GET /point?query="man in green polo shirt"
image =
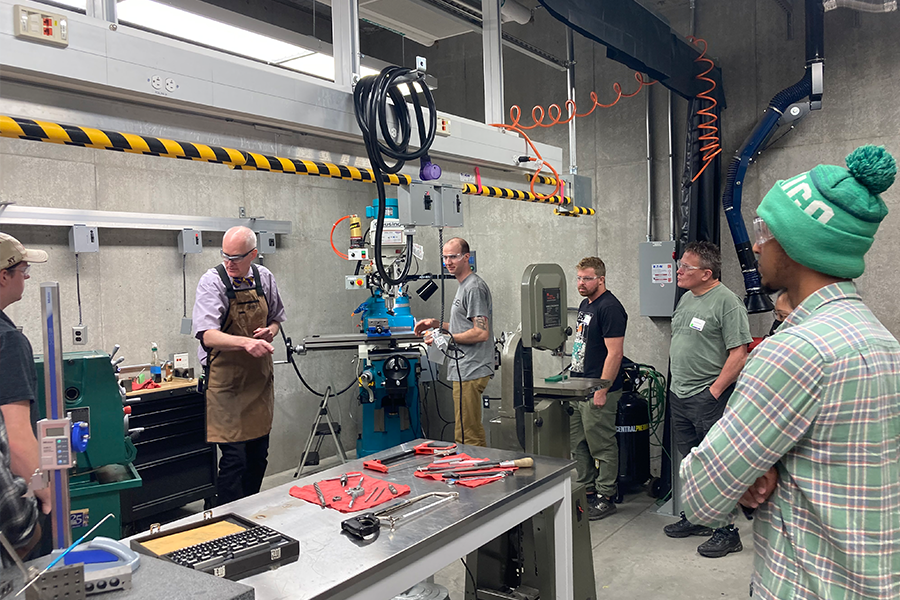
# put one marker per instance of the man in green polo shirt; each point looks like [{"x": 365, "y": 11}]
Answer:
[{"x": 710, "y": 333}]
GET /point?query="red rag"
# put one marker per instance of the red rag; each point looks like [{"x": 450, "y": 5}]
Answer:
[{"x": 332, "y": 488}]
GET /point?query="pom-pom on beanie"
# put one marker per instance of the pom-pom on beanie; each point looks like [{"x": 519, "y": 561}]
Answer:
[{"x": 826, "y": 218}]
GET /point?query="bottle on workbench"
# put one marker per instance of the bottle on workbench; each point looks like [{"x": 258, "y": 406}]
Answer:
[{"x": 155, "y": 366}]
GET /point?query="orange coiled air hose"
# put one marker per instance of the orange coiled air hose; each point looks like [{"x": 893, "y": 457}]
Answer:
[
  {"x": 555, "y": 113},
  {"x": 711, "y": 137}
]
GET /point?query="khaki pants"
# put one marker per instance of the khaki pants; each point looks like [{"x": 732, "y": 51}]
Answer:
[
  {"x": 592, "y": 434},
  {"x": 469, "y": 429}
]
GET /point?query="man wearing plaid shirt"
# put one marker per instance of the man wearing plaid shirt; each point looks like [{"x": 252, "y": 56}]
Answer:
[{"x": 810, "y": 440}]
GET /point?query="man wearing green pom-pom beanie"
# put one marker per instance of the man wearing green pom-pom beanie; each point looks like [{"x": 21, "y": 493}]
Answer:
[{"x": 810, "y": 441}]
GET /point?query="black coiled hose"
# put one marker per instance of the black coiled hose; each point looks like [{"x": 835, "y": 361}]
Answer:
[{"x": 370, "y": 101}]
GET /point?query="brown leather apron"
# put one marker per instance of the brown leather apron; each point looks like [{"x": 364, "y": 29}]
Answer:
[{"x": 240, "y": 394}]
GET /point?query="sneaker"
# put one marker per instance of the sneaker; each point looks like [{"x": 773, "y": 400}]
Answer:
[
  {"x": 723, "y": 541},
  {"x": 685, "y": 528},
  {"x": 601, "y": 509}
]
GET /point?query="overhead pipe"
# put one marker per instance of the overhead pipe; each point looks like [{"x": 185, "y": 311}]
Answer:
[
  {"x": 570, "y": 89},
  {"x": 809, "y": 86},
  {"x": 671, "y": 102},
  {"x": 649, "y": 169}
]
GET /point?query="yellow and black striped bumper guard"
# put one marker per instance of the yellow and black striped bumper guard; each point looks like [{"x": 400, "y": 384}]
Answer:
[{"x": 87, "y": 137}]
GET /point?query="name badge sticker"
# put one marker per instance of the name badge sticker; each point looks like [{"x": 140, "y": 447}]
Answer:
[{"x": 697, "y": 324}]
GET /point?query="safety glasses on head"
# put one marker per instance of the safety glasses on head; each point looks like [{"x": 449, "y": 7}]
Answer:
[{"x": 761, "y": 231}]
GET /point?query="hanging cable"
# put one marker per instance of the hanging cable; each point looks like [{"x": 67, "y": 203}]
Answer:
[
  {"x": 712, "y": 147},
  {"x": 370, "y": 101},
  {"x": 78, "y": 288}
]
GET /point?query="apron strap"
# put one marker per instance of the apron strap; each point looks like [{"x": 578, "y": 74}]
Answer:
[
  {"x": 229, "y": 288},
  {"x": 257, "y": 281}
]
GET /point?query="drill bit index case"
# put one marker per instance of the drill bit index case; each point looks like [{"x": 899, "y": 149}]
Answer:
[{"x": 227, "y": 546}]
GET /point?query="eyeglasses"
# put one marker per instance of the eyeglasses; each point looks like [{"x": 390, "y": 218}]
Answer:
[
  {"x": 585, "y": 279},
  {"x": 761, "y": 231},
  {"x": 236, "y": 258},
  {"x": 24, "y": 270},
  {"x": 681, "y": 266},
  {"x": 449, "y": 257}
]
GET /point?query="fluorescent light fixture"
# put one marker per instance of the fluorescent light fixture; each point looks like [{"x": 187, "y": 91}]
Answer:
[{"x": 214, "y": 34}]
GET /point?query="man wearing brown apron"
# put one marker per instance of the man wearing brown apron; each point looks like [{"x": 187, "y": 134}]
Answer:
[{"x": 237, "y": 313}]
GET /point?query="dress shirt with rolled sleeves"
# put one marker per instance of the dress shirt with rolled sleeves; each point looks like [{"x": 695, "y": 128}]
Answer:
[{"x": 211, "y": 304}]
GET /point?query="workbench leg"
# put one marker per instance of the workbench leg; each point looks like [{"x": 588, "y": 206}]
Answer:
[{"x": 562, "y": 544}]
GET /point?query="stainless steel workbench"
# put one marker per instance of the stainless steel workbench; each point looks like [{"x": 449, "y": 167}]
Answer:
[{"x": 333, "y": 565}]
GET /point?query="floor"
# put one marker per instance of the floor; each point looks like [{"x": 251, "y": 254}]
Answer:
[{"x": 634, "y": 560}]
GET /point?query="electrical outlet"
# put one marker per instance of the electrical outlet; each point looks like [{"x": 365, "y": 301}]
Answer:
[
  {"x": 443, "y": 126},
  {"x": 486, "y": 401},
  {"x": 79, "y": 335}
]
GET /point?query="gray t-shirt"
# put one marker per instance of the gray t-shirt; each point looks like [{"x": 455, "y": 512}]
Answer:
[
  {"x": 704, "y": 329},
  {"x": 473, "y": 299}
]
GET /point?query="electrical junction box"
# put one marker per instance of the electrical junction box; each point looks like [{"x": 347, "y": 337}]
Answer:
[
  {"x": 266, "y": 242},
  {"x": 578, "y": 188},
  {"x": 358, "y": 253},
  {"x": 189, "y": 241},
  {"x": 428, "y": 204},
  {"x": 354, "y": 282},
  {"x": 657, "y": 278},
  {"x": 40, "y": 26},
  {"x": 83, "y": 239}
]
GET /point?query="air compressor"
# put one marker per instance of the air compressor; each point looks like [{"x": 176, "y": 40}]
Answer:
[{"x": 633, "y": 436}]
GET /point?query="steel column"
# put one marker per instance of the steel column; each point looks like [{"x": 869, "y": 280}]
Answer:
[
  {"x": 345, "y": 41},
  {"x": 492, "y": 46},
  {"x": 102, "y": 9},
  {"x": 55, "y": 405}
]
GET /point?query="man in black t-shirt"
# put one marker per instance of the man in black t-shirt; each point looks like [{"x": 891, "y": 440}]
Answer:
[
  {"x": 597, "y": 353},
  {"x": 18, "y": 394}
]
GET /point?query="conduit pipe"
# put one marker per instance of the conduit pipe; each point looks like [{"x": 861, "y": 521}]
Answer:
[{"x": 649, "y": 169}]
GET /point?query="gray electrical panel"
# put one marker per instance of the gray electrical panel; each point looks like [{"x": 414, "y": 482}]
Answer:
[
  {"x": 189, "y": 241},
  {"x": 657, "y": 279},
  {"x": 83, "y": 239},
  {"x": 266, "y": 243},
  {"x": 428, "y": 204}
]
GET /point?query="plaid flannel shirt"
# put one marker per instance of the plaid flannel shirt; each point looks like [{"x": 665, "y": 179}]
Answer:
[
  {"x": 18, "y": 515},
  {"x": 821, "y": 401}
]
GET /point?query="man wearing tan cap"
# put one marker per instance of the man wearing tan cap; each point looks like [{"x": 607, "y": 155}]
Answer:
[{"x": 18, "y": 394}]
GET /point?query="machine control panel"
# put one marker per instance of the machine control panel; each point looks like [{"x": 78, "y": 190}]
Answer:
[
  {"x": 355, "y": 282},
  {"x": 54, "y": 436}
]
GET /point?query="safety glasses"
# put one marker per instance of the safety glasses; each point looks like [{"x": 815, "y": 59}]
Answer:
[
  {"x": 761, "y": 231},
  {"x": 236, "y": 258}
]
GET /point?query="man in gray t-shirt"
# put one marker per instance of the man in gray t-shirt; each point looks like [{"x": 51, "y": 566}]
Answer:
[{"x": 470, "y": 325}]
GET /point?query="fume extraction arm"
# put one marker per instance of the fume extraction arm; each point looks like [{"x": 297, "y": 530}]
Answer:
[{"x": 788, "y": 105}]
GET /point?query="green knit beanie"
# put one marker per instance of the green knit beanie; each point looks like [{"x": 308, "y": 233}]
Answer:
[{"x": 826, "y": 219}]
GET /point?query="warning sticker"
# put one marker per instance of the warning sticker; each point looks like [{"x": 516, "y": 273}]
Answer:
[{"x": 661, "y": 273}]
